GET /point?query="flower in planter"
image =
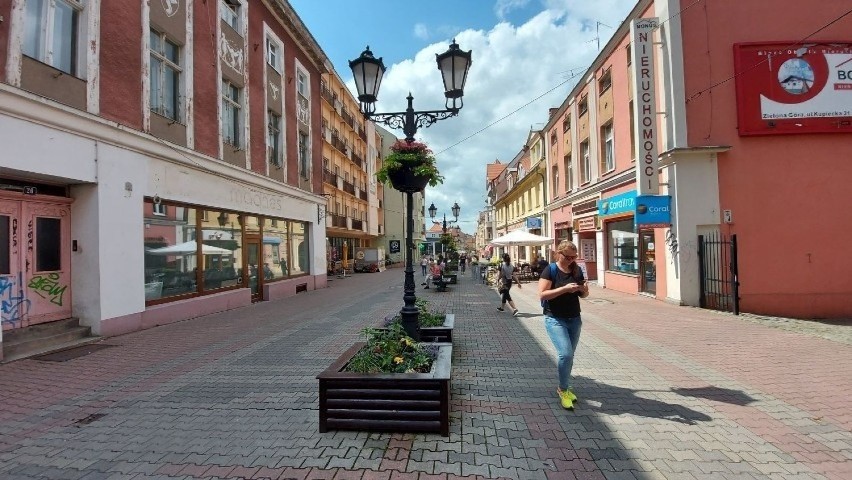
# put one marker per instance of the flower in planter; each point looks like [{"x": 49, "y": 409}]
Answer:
[
  {"x": 390, "y": 350},
  {"x": 415, "y": 155},
  {"x": 426, "y": 318}
]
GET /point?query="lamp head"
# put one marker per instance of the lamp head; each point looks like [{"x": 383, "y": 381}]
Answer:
[
  {"x": 367, "y": 71},
  {"x": 456, "y": 209},
  {"x": 454, "y": 65},
  {"x": 432, "y": 211}
]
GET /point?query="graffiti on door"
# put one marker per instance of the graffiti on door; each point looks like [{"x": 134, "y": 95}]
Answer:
[
  {"x": 14, "y": 305},
  {"x": 48, "y": 287}
]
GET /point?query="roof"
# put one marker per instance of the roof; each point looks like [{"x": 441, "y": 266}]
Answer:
[
  {"x": 436, "y": 227},
  {"x": 494, "y": 170}
]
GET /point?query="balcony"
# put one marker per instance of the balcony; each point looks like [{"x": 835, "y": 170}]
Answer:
[
  {"x": 338, "y": 143},
  {"x": 358, "y": 160},
  {"x": 348, "y": 187},
  {"x": 347, "y": 117},
  {"x": 329, "y": 178},
  {"x": 338, "y": 221},
  {"x": 327, "y": 95},
  {"x": 362, "y": 133},
  {"x": 357, "y": 224},
  {"x": 362, "y": 195}
]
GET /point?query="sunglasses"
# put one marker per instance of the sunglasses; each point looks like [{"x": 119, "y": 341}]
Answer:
[{"x": 570, "y": 257}]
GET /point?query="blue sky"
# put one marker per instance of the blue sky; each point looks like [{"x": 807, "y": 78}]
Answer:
[{"x": 521, "y": 50}]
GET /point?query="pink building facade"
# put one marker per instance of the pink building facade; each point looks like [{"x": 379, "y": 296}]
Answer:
[{"x": 743, "y": 150}]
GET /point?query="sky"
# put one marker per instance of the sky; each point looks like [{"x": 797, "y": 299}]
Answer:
[{"x": 522, "y": 49}]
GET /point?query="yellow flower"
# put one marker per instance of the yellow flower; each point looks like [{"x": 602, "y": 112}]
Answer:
[
  {"x": 408, "y": 341},
  {"x": 397, "y": 360}
]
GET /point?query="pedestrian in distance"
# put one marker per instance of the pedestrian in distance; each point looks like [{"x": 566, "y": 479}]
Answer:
[
  {"x": 560, "y": 289},
  {"x": 506, "y": 276},
  {"x": 424, "y": 262}
]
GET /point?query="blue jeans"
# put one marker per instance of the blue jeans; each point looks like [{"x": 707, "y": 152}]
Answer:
[{"x": 565, "y": 335}]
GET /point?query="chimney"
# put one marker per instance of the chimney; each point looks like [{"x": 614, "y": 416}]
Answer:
[{"x": 552, "y": 111}]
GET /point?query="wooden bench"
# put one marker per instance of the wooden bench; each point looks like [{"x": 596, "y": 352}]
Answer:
[{"x": 441, "y": 283}]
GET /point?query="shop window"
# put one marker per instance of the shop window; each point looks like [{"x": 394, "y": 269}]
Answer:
[
  {"x": 52, "y": 33},
  {"x": 171, "y": 254},
  {"x": 623, "y": 246},
  {"x": 299, "y": 249},
  {"x": 276, "y": 246}
]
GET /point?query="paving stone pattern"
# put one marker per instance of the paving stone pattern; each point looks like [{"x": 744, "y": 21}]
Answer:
[{"x": 665, "y": 392}]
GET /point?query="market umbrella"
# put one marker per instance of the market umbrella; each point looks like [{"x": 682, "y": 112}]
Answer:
[
  {"x": 520, "y": 238},
  {"x": 188, "y": 248}
]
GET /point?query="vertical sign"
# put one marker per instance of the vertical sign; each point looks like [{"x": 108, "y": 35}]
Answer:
[{"x": 645, "y": 105}]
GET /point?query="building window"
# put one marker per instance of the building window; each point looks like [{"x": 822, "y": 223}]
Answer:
[
  {"x": 623, "y": 246},
  {"x": 160, "y": 209},
  {"x": 605, "y": 81},
  {"x": 273, "y": 139},
  {"x": 554, "y": 173},
  {"x": 273, "y": 55},
  {"x": 608, "y": 157},
  {"x": 165, "y": 76},
  {"x": 585, "y": 163},
  {"x": 566, "y": 124},
  {"x": 632, "y": 133},
  {"x": 51, "y": 33},
  {"x": 629, "y": 54},
  {"x": 303, "y": 155},
  {"x": 584, "y": 105},
  {"x": 302, "y": 86},
  {"x": 553, "y": 138},
  {"x": 231, "y": 13},
  {"x": 231, "y": 113},
  {"x": 569, "y": 173}
]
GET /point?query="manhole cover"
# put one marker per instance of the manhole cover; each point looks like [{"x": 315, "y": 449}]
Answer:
[
  {"x": 71, "y": 353},
  {"x": 600, "y": 301}
]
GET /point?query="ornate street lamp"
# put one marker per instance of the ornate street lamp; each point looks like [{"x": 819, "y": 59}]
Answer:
[
  {"x": 433, "y": 211},
  {"x": 368, "y": 71}
]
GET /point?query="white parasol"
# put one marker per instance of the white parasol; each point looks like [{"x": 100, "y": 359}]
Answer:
[
  {"x": 189, "y": 248},
  {"x": 520, "y": 238}
]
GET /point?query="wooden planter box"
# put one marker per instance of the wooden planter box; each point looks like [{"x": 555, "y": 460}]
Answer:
[
  {"x": 386, "y": 402},
  {"x": 444, "y": 333}
]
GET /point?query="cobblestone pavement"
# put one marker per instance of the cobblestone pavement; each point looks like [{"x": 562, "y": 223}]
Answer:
[{"x": 665, "y": 392}]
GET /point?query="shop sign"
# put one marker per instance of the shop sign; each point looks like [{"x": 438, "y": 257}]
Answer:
[
  {"x": 586, "y": 224},
  {"x": 395, "y": 246},
  {"x": 789, "y": 87},
  {"x": 618, "y": 204},
  {"x": 645, "y": 121},
  {"x": 534, "y": 222},
  {"x": 653, "y": 211}
]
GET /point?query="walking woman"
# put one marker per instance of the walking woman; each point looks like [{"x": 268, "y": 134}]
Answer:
[
  {"x": 505, "y": 279},
  {"x": 561, "y": 286}
]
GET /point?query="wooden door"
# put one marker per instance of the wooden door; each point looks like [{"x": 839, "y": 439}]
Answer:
[
  {"x": 46, "y": 258},
  {"x": 14, "y": 305}
]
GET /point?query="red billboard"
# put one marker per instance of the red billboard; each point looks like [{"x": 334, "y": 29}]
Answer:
[{"x": 789, "y": 87}]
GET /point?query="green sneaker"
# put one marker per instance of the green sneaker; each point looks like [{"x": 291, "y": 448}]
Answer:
[{"x": 565, "y": 399}]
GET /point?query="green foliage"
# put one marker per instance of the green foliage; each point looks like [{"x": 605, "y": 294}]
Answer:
[
  {"x": 390, "y": 350},
  {"x": 414, "y": 155},
  {"x": 427, "y": 318}
]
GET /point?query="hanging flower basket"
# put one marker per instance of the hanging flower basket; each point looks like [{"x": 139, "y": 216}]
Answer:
[{"x": 409, "y": 167}]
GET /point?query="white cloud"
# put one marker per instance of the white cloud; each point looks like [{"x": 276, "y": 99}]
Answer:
[
  {"x": 503, "y": 7},
  {"x": 421, "y": 31},
  {"x": 512, "y": 65}
]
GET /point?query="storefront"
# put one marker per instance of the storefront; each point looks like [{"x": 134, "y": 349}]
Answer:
[{"x": 621, "y": 265}]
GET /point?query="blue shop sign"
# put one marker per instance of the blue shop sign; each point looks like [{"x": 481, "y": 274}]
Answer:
[
  {"x": 653, "y": 211},
  {"x": 618, "y": 204},
  {"x": 534, "y": 222}
]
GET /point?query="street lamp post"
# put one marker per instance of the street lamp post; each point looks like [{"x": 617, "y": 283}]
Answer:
[
  {"x": 368, "y": 71},
  {"x": 433, "y": 210}
]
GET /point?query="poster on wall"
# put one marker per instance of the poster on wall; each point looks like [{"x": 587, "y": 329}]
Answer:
[
  {"x": 793, "y": 87},
  {"x": 587, "y": 249}
]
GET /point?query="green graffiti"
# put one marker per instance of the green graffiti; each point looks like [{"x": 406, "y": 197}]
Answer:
[{"x": 47, "y": 286}]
